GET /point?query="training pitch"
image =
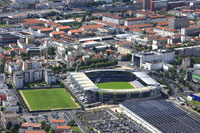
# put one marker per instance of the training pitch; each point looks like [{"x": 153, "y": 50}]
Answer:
[
  {"x": 115, "y": 85},
  {"x": 48, "y": 99}
]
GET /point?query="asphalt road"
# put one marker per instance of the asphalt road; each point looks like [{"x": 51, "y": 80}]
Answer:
[{"x": 83, "y": 128}]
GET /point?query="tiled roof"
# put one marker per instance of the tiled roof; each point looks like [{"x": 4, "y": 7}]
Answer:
[
  {"x": 165, "y": 28},
  {"x": 46, "y": 29},
  {"x": 30, "y": 125},
  {"x": 158, "y": 16},
  {"x": 105, "y": 23},
  {"x": 57, "y": 32},
  {"x": 35, "y": 132},
  {"x": 64, "y": 27},
  {"x": 187, "y": 10},
  {"x": 138, "y": 18},
  {"x": 58, "y": 121},
  {"x": 94, "y": 26},
  {"x": 136, "y": 26},
  {"x": 136, "y": 29},
  {"x": 76, "y": 30},
  {"x": 113, "y": 16},
  {"x": 163, "y": 23},
  {"x": 63, "y": 127},
  {"x": 194, "y": 26}
]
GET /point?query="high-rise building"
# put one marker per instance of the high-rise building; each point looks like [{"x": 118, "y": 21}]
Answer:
[
  {"x": 178, "y": 22},
  {"x": 147, "y": 4}
]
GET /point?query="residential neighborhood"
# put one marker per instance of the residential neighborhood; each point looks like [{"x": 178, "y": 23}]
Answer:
[{"x": 96, "y": 66}]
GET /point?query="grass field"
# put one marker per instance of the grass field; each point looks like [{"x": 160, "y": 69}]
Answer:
[
  {"x": 115, "y": 85},
  {"x": 75, "y": 129},
  {"x": 46, "y": 99}
]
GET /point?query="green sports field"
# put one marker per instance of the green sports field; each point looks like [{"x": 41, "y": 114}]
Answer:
[
  {"x": 115, "y": 85},
  {"x": 46, "y": 99}
]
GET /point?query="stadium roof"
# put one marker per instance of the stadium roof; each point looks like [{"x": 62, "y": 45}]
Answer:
[
  {"x": 163, "y": 115},
  {"x": 146, "y": 78},
  {"x": 83, "y": 81}
]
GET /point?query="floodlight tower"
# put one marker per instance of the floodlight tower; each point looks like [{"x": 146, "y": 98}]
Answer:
[
  {"x": 77, "y": 66},
  {"x": 46, "y": 43}
]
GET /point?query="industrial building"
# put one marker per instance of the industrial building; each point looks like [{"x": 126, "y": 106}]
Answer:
[{"x": 160, "y": 116}]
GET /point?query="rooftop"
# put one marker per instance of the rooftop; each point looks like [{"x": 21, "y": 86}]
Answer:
[
  {"x": 30, "y": 125},
  {"x": 94, "y": 26},
  {"x": 64, "y": 27},
  {"x": 58, "y": 121},
  {"x": 165, "y": 28},
  {"x": 113, "y": 16},
  {"x": 163, "y": 115},
  {"x": 35, "y": 132},
  {"x": 46, "y": 29},
  {"x": 63, "y": 127}
]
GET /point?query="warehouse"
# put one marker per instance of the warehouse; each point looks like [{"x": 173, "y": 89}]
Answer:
[{"x": 160, "y": 116}]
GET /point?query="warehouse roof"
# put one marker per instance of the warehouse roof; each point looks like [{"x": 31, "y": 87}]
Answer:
[{"x": 163, "y": 115}]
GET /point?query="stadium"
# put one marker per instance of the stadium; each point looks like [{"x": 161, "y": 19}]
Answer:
[{"x": 112, "y": 85}]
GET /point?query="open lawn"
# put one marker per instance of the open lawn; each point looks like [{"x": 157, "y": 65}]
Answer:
[
  {"x": 46, "y": 99},
  {"x": 196, "y": 103},
  {"x": 115, "y": 85},
  {"x": 75, "y": 129}
]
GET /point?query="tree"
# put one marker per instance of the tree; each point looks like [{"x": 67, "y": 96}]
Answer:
[
  {"x": 46, "y": 129},
  {"x": 128, "y": 57},
  {"x": 179, "y": 60},
  {"x": 90, "y": 129},
  {"x": 51, "y": 131},
  {"x": 9, "y": 125},
  {"x": 170, "y": 92},
  {"x": 13, "y": 129},
  {"x": 51, "y": 51},
  {"x": 72, "y": 123},
  {"x": 43, "y": 124}
]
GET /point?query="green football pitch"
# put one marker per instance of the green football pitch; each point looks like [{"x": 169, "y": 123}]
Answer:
[
  {"x": 48, "y": 99},
  {"x": 115, "y": 85}
]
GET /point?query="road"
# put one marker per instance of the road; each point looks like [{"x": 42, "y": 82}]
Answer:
[{"x": 73, "y": 116}]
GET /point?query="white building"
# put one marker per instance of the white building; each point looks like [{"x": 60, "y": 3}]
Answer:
[
  {"x": 191, "y": 30},
  {"x": 112, "y": 19},
  {"x": 55, "y": 123},
  {"x": 18, "y": 80},
  {"x": 164, "y": 56},
  {"x": 23, "y": 1},
  {"x": 61, "y": 51},
  {"x": 49, "y": 77},
  {"x": 30, "y": 76},
  {"x": 107, "y": 1},
  {"x": 164, "y": 31},
  {"x": 2, "y": 78}
]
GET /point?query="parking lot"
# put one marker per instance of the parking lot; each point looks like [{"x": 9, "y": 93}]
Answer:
[
  {"x": 105, "y": 120},
  {"x": 45, "y": 116}
]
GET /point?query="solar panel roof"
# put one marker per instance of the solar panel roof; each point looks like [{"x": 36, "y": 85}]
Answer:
[{"x": 163, "y": 115}]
